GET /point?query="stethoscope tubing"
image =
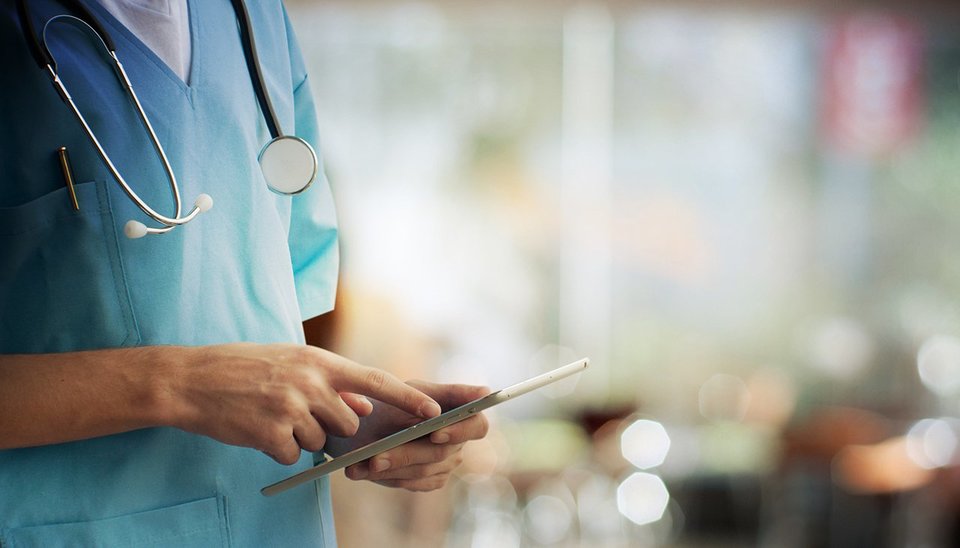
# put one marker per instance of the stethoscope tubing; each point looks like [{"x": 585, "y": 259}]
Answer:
[
  {"x": 256, "y": 71},
  {"x": 39, "y": 51},
  {"x": 169, "y": 222}
]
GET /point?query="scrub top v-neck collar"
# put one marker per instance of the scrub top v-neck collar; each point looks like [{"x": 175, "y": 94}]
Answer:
[{"x": 119, "y": 30}]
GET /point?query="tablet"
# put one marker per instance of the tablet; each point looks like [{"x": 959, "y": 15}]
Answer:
[{"x": 423, "y": 428}]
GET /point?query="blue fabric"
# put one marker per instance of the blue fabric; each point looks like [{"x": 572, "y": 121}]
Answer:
[{"x": 248, "y": 270}]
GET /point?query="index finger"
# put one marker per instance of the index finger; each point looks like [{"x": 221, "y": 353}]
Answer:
[{"x": 376, "y": 383}]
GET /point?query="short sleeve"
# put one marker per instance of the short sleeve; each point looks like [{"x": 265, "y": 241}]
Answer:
[{"x": 313, "y": 236}]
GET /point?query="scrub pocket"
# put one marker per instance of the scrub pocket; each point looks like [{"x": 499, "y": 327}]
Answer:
[
  {"x": 61, "y": 276},
  {"x": 200, "y": 523}
]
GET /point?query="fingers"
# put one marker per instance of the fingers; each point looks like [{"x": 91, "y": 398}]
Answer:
[
  {"x": 406, "y": 471},
  {"x": 413, "y": 453},
  {"x": 455, "y": 395},
  {"x": 279, "y": 398},
  {"x": 414, "y": 459},
  {"x": 363, "y": 471},
  {"x": 359, "y": 403},
  {"x": 474, "y": 428},
  {"x": 309, "y": 435},
  {"x": 352, "y": 377},
  {"x": 283, "y": 448},
  {"x": 419, "y": 485},
  {"x": 335, "y": 415},
  {"x": 416, "y": 471}
]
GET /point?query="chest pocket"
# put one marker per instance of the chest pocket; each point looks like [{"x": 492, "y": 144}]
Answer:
[{"x": 61, "y": 276}]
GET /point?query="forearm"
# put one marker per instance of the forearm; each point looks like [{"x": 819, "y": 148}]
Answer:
[
  {"x": 277, "y": 398},
  {"x": 54, "y": 398}
]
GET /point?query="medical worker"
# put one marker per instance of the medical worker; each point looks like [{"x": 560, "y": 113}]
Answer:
[{"x": 150, "y": 387}]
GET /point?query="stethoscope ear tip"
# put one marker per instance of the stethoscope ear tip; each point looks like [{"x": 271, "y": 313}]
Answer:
[
  {"x": 134, "y": 229},
  {"x": 204, "y": 203}
]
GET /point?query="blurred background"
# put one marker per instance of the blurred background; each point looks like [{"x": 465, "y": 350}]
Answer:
[{"x": 746, "y": 215}]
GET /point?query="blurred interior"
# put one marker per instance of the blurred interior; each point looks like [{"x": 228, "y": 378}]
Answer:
[{"x": 745, "y": 214}]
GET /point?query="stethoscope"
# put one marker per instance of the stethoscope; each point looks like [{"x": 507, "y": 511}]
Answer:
[{"x": 289, "y": 164}]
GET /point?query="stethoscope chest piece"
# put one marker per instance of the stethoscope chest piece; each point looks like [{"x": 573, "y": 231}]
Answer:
[{"x": 289, "y": 164}]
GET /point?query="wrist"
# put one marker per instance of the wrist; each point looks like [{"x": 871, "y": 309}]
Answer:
[{"x": 163, "y": 399}]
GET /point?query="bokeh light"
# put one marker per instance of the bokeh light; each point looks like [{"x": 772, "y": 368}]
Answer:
[
  {"x": 932, "y": 443},
  {"x": 645, "y": 444},
  {"x": 938, "y": 363},
  {"x": 724, "y": 397},
  {"x": 495, "y": 528},
  {"x": 548, "y": 519},
  {"x": 642, "y": 498}
]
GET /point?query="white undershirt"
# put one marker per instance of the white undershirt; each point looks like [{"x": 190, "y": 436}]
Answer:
[{"x": 163, "y": 25}]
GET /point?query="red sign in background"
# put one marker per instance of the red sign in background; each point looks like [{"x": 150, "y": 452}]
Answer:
[{"x": 873, "y": 100}]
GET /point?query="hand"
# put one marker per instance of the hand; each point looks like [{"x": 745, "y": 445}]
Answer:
[
  {"x": 281, "y": 398},
  {"x": 424, "y": 464}
]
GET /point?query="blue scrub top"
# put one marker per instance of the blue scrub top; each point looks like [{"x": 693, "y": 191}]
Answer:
[{"x": 248, "y": 270}]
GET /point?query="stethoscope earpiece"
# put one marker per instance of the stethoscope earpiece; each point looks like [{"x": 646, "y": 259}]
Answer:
[
  {"x": 204, "y": 203},
  {"x": 136, "y": 229}
]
